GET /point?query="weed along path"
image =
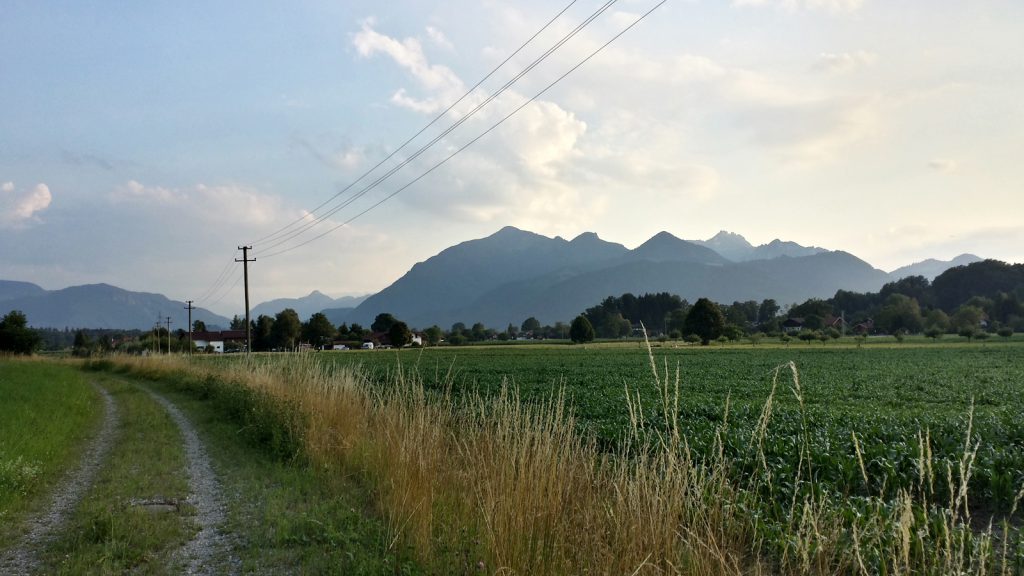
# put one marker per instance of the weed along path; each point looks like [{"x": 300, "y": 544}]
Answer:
[
  {"x": 210, "y": 550},
  {"x": 23, "y": 557}
]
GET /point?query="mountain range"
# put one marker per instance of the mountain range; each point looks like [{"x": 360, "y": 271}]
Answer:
[
  {"x": 98, "y": 306},
  {"x": 308, "y": 305},
  {"x": 511, "y": 275},
  {"x": 514, "y": 274}
]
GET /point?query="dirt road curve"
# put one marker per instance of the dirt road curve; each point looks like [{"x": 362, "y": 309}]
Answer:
[
  {"x": 22, "y": 558},
  {"x": 209, "y": 552}
]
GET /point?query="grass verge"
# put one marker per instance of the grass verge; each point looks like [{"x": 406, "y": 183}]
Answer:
[{"x": 35, "y": 446}]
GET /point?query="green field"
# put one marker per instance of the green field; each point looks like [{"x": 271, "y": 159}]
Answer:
[
  {"x": 887, "y": 395},
  {"x": 47, "y": 412}
]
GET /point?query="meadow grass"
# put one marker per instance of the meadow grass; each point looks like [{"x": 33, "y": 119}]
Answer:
[
  {"x": 47, "y": 413},
  {"x": 494, "y": 484}
]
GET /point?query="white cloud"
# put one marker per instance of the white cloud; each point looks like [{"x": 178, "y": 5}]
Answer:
[
  {"x": 438, "y": 38},
  {"x": 224, "y": 204},
  {"x": 439, "y": 81},
  {"x": 830, "y": 62},
  {"x": 18, "y": 209}
]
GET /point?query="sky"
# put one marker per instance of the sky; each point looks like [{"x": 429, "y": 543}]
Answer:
[{"x": 141, "y": 143}]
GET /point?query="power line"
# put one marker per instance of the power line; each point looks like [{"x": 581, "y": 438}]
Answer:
[
  {"x": 282, "y": 239},
  {"x": 238, "y": 278},
  {"x": 474, "y": 140},
  {"x": 428, "y": 125}
]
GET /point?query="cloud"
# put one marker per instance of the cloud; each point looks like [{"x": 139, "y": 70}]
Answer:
[
  {"x": 835, "y": 6},
  {"x": 439, "y": 81},
  {"x": 439, "y": 39},
  {"x": 942, "y": 164},
  {"x": 227, "y": 204},
  {"x": 833, "y": 63},
  {"x": 19, "y": 209}
]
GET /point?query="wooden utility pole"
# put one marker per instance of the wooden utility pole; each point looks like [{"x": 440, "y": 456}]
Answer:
[
  {"x": 190, "y": 308},
  {"x": 168, "y": 335},
  {"x": 245, "y": 272}
]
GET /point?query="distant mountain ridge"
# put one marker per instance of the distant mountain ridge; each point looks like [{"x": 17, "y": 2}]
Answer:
[
  {"x": 738, "y": 249},
  {"x": 931, "y": 267},
  {"x": 306, "y": 306},
  {"x": 99, "y": 306},
  {"x": 513, "y": 274}
]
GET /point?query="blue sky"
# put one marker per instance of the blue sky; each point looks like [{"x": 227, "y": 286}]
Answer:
[{"x": 141, "y": 143}]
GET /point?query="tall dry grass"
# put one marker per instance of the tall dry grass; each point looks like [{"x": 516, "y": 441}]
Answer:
[{"x": 498, "y": 485}]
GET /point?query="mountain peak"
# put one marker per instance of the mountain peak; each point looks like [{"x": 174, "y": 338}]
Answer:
[
  {"x": 585, "y": 237},
  {"x": 665, "y": 247}
]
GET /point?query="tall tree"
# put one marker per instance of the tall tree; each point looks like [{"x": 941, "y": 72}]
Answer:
[
  {"x": 900, "y": 314},
  {"x": 16, "y": 336},
  {"x": 531, "y": 324},
  {"x": 383, "y": 322},
  {"x": 705, "y": 320},
  {"x": 200, "y": 326},
  {"x": 287, "y": 329},
  {"x": 433, "y": 335},
  {"x": 581, "y": 330},
  {"x": 399, "y": 334},
  {"x": 318, "y": 331},
  {"x": 262, "y": 334}
]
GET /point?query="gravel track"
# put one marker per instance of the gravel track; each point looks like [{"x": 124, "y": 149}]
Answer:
[
  {"x": 209, "y": 552},
  {"x": 22, "y": 558}
]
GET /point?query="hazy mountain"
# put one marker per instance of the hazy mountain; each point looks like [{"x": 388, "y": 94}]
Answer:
[
  {"x": 737, "y": 249},
  {"x": 10, "y": 289},
  {"x": 931, "y": 267},
  {"x": 664, "y": 247},
  {"x": 730, "y": 245},
  {"x": 437, "y": 289},
  {"x": 105, "y": 306},
  {"x": 513, "y": 274}
]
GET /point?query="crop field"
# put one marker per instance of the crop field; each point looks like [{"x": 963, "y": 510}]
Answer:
[
  {"x": 843, "y": 458},
  {"x": 889, "y": 402}
]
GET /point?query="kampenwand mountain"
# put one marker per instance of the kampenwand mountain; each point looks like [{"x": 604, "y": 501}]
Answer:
[{"x": 514, "y": 274}]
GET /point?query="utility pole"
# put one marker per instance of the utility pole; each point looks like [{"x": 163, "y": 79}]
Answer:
[
  {"x": 168, "y": 335},
  {"x": 245, "y": 272},
  {"x": 190, "y": 308},
  {"x": 156, "y": 336}
]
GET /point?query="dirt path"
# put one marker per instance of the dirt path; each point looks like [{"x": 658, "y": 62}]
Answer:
[
  {"x": 22, "y": 558},
  {"x": 209, "y": 552}
]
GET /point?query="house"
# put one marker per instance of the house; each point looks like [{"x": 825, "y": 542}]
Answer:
[
  {"x": 216, "y": 340},
  {"x": 793, "y": 325}
]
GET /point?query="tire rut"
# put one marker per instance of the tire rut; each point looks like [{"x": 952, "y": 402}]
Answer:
[
  {"x": 23, "y": 557},
  {"x": 209, "y": 551}
]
